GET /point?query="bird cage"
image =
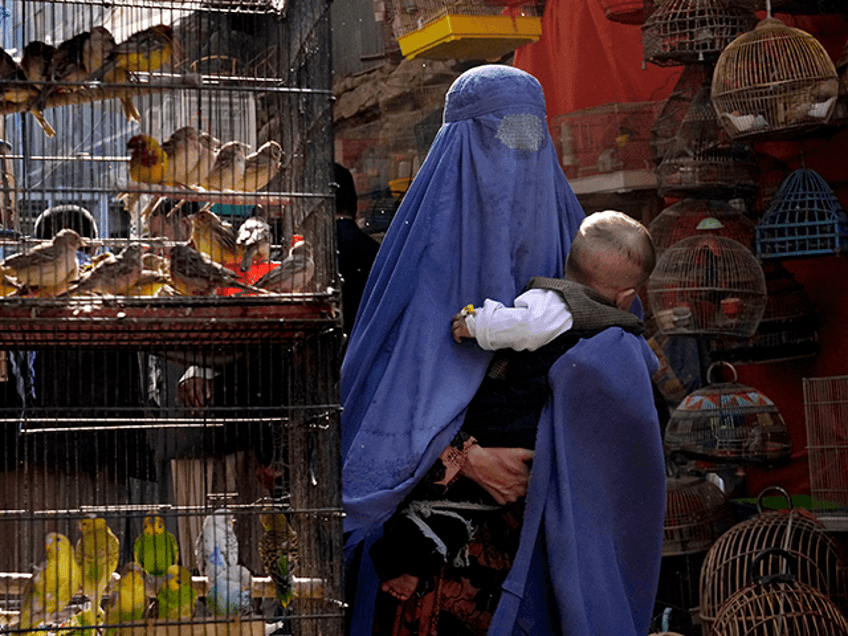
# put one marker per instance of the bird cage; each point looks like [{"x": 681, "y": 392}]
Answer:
[
  {"x": 707, "y": 284},
  {"x": 803, "y": 219},
  {"x": 624, "y": 11},
  {"x": 826, "y": 417},
  {"x": 775, "y": 603},
  {"x": 691, "y": 217},
  {"x": 464, "y": 29},
  {"x": 696, "y": 514},
  {"x": 787, "y": 331},
  {"x": 774, "y": 81},
  {"x": 840, "y": 112},
  {"x": 689, "y": 31},
  {"x": 730, "y": 423},
  {"x": 674, "y": 109},
  {"x": 730, "y": 563},
  {"x": 702, "y": 159}
]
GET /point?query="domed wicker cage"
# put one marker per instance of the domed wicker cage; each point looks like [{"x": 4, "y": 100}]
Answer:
[
  {"x": 689, "y": 31},
  {"x": 803, "y": 219},
  {"x": 702, "y": 159},
  {"x": 728, "y": 423},
  {"x": 730, "y": 564},
  {"x": 788, "y": 329},
  {"x": 696, "y": 514},
  {"x": 690, "y": 217},
  {"x": 775, "y": 81},
  {"x": 691, "y": 79},
  {"x": 710, "y": 285}
]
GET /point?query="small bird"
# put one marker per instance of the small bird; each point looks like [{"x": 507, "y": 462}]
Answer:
[
  {"x": 128, "y": 603},
  {"x": 66, "y": 66},
  {"x": 52, "y": 585},
  {"x": 112, "y": 276},
  {"x": 209, "y": 146},
  {"x": 278, "y": 550},
  {"x": 176, "y": 597},
  {"x": 33, "y": 67},
  {"x": 183, "y": 149},
  {"x": 261, "y": 166},
  {"x": 294, "y": 273},
  {"x": 229, "y": 166},
  {"x": 144, "y": 51},
  {"x": 148, "y": 161},
  {"x": 97, "y": 553},
  {"x": 48, "y": 265},
  {"x": 96, "y": 50},
  {"x": 217, "y": 545},
  {"x": 253, "y": 242},
  {"x": 156, "y": 549},
  {"x": 213, "y": 237},
  {"x": 193, "y": 274},
  {"x": 229, "y": 591}
]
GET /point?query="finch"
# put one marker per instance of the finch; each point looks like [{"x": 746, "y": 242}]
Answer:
[
  {"x": 97, "y": 553},
  {"x": 48, "y": 265},
  {"x": 209, "y": 146},
  {"x": 52, "y": 585},
  {"x": 294, "y": 273},
  {"x": 96, "y": 51},
  {"x": 112, "y": 276},
  {"x": 260, "y": 167},
  {"x": 183, "y": 149},
  {"x": 144, "y": 51},
  {"x": 213, "y": 237},
  {"x": 33, "y": 67},
  {"x": 278, "y": 550},
  {"x": 253, "y": 242},
  {"x": 156, "y": 548},
  {"x": 192, "y": 274},
  {"x": 228, "y": 168},
  {"x": 66, "y": 65},
  {"x": 148, "y": 161}
]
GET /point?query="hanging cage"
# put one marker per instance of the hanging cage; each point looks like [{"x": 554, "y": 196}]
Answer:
[
  {"x": 729, "y": 423},
  {"x": 691, "y": 79},
  {"x": 775, "y": 603},
  {"x": 710, "y": 285},
  {"x": 730, "y": 564},
  {"x": 840, "y": 113},
  {"x": 688, "y": 31},
  {"x": 774, "y": 81},
  {"x": 702, "y": 159},
  {"x": 804, "y": 218},
  {"x": 690, "y": 217},
  {"x": 826, "y": 417},
  {"x": 696, "y": 514},
  {"x": 465, "y": 29}
]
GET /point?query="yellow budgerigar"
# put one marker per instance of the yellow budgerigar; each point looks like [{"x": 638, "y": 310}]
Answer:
[
  {"x": 129, "y": 601},
  {"x": 97, "y": 553},
  {"x": 177, "y": 596},
  {"x": 52, "y": 585}
]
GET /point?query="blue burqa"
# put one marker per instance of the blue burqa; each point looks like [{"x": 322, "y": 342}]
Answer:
[{"x": 489, "y": 209}]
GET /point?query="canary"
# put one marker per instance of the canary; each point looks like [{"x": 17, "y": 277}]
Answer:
[
  {"x": 213, "y": 237},
  {"x": 96, "y": 51},
  {"x": 278, "y": 550},
  {"x": 144, "y": 51},
  {"x": 156, "y": 548},
  {"x": 228, "y": 168},
  {"x": 192, "y": 274},
  {"x": 294, "y": 273},
  {"x": 176, "y": 596},
  {"x": 183, "y": 149},
  {"x": 97, "y": 553},
  {"x": 253, "y": 242},
  {"x": 128, "y": 602},
  {"x": 112, "y": 276},
  {"x": 33, "y": 67},
  {"x": 48, "y": 265},
  {"x": 260, "y": 167},
  {"x": 148, "y": 162},
  {"x": 52, "y": 585}
]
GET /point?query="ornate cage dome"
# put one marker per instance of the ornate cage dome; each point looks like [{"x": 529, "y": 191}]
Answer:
[{"x": 691, "y": 217}]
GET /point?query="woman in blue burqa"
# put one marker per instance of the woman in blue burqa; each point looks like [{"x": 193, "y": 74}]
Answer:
[{"x": 489, "y": 209}]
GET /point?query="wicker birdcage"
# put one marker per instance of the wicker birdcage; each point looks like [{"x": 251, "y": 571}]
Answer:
[
  {"x": 728, "y": 422},
  {"x": 730, "y": 564},
  {"x": 710, "y": 285},
  {"x": 691, "y": 79},
  {"x": 804, "y": 218},
  {"x": 688, "y": 31},
  {"x": 826, "y": 416},
  {"x": 787, "y": 331},
  {"x": 690, "y": 217},
  {"x": 775, "y": 81},
  {"x": 696, "y": 514},
  {"x": 702, "y": 159}
]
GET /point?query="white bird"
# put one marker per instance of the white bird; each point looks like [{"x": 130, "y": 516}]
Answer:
[
  {"x": 216, "y": 546},
  {"x": 253, "y": 241}
]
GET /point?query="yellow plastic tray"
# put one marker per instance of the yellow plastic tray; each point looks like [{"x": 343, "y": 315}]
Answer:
[{"x": 465, "y": 37}]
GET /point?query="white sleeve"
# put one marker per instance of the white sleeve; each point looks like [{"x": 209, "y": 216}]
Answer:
[{"x": 539, "y": 316}]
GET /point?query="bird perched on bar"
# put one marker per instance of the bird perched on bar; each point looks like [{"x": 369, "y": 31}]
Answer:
[
  {"x": 144, "y": 51},
  {"x": 209, "y": 146},
  {"x": 97, "y": 553},
  {"x": 278, "y": 550},
  {"x": 49, "y": 265},
  {"x": 213, "y": 237},
  {"x": 176, "y": 597},
  {"x": 261, "y": 166},
  {"x": 96, "y": 51},
  {"x": 52, "y": 585},
  {"x": 183, "y": 150},
  {"x": 148, "y": 161},
  {"x": 112, "y": 276},
  {"x": 295, "y": 271},
  {"x": 193, "y": 274},
  {"x": 66, "y": 67},
  {"x": 156, "y": 549},
  {"x": 253, "y": 242},
  {"x": 127, "y": 603},
  {"x": 229, "y": 166},
  {"x": 33, "y": 67}
]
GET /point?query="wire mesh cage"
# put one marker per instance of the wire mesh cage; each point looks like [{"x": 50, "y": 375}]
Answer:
[
  {"x": 730, "y": 564},
  {"x": 774, "y": 81},
  {"x": 707, "y": 284},
  {"x": 826, "y": 417},
  {"x": 690, "y": 217},
  {"x": 775, "y": 603},
  {"x": 688, "y": 31},
  {"x": 696, "y": 514},
  {"x": 668, "y": 121},
  {"x": 729, "y": 423},
  {"x": 702, "y": 159},
  {"x": 804, "y": 218}
]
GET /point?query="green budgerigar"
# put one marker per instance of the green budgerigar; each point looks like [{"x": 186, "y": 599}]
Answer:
[
  {"x": 97, "y": 553},
  {"x": 176, "y": 596},
  {"x": 52, "y": 585},
  {"x": 278, "y": 550},
  {"x": 128, "y": 602},
  {"x": 156, "y": 549}
]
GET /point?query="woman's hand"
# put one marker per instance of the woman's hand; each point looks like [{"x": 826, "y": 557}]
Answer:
[{"x": 503, "y": 472}]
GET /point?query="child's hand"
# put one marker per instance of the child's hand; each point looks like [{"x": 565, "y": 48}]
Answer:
[{"x": 458, "y": 327}]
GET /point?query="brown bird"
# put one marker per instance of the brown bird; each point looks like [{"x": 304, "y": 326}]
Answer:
[
  {"x": 112, "y": 276},
  {"x": 294, "y": 273},
  {"x": 192, "y": 274},
  {"x": 213, "y": 237},
  {"x": 48, "y": 265},
  {"x": 96, "y": 50},
  {"x": 33, "y": 67},
  {"x": 206, "y": 159},
  {"x": 228, "y": 168},
  {"x": 144, "y": 51},
  {"x": 183, "y": 149},
  {"x": 261, "y": 166},
  {"x": 66, "y": 66},
  {"x": 254, "y": 242}
]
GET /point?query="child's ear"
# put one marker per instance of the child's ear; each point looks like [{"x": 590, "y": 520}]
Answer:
[{"x": 624, "y": 299}]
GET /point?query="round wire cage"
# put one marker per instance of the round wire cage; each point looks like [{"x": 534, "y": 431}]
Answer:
[
  {"x": 691, "y": 79},
  {"x": 696, "y": 514},
  {"x": 728, "y": 423},
  {"x": 774, "y": 81},
  {"x": 731, "y": 562},
  {"x": 689, "y": 217},
  {"x": 776, "y": 604},
  {"x": 688, "y": 31},
  {"x": 701, "y": 158},
  {"x": 710, "y": 285},
  {"x": 803, "y": 219}
]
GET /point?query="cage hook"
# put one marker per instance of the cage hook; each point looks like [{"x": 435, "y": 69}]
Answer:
[{"x": 714, "y": 365}]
